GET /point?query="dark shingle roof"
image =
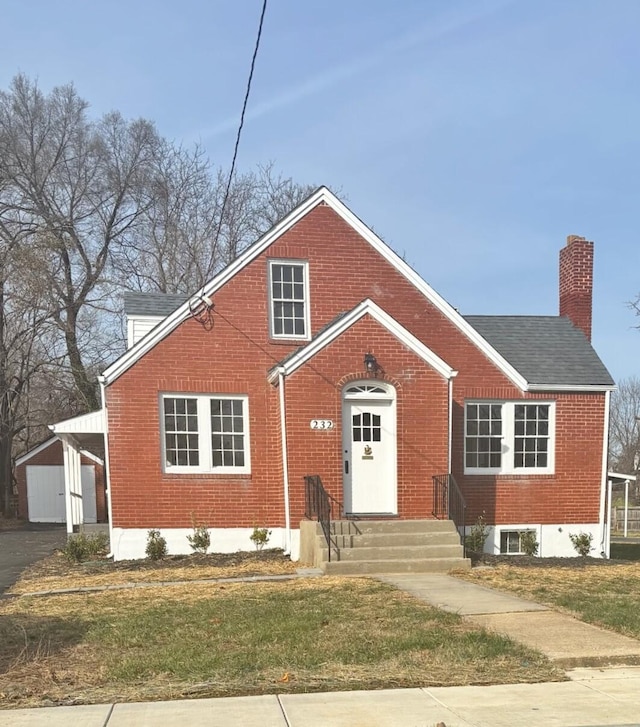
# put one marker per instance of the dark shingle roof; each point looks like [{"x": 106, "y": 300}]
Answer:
[
  {"x": 546, "y": 350},
  {"x": 151, "y": 304}
]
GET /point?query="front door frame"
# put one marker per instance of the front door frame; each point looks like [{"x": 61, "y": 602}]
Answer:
[{"x": 370, "y": 392}]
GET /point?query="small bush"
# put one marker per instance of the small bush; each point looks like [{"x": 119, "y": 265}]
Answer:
[
  {"x": 200, "y": 541},
  {"x": 529, "y": 542},
  {"x": 156, "y": 545},
  {"x": 81, "y": 547},
  {"x": 477, "y": 535},
  {"x": 582, "y": 543},
  {"x": 260, "y": 537}
]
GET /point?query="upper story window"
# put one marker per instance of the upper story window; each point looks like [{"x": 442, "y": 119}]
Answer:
[
  {"x": 509, "y": 437},
  {"x": 289, "y": 299},
  {"x": 204, "y": 433}
]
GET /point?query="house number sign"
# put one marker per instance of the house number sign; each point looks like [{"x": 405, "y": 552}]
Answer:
[{"x": 321, "y": 424}]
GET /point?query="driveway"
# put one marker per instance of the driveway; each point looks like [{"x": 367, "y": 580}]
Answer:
[{"x": 20, "y": 548}]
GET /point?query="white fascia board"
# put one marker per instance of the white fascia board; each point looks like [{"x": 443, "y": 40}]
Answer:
[
  {"x": 94, "y": 457},
  {"x": 94, "y": 422},
  {"x": 619, "y": 476},
  {"x": 396, "y": 329},
  {"x": 321, "y": 195},
  {"x": 144, "y": 345},
  {"x": 571, "y": 388},
  {"x": 36, "y": 450}
]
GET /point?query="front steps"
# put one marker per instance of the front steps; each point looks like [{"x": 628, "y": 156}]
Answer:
[{"x": 362, "y": 547}]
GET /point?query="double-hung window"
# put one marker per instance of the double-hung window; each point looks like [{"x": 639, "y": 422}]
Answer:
[
  {"x": 289, "y": 299},
  {"x": 509, "y": 437},
  {"x": 203, "y": 433}
]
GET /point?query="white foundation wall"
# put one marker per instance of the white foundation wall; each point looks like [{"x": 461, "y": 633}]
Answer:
[
  {"x": 553, "y": 540},
  {"x": 130, "y": 543}
]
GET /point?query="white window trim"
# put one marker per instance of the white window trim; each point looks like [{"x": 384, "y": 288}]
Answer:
[
  {"x": 204, "y": 436},
  {"x": 508, "y": 440},
  {"x": 307, "y": 304},
  {"x": 520, "y": 532}
]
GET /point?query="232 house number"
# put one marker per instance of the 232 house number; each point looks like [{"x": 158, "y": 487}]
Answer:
[{"x": 321, "y": 424}]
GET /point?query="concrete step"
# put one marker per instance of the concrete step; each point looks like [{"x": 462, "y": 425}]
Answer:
[
  {"x": 363, "y": 527},
  {"x": 390, "y": 540},
  {"x": 411, "y": 552},
  {"x": 371, "y": 567}
]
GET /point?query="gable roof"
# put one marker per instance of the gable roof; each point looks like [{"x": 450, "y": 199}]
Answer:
[
  {"x": 326, "y": 197},
  {"x": 549, "y": 351},
  {"x": 344, "y": 321},
  {"x": 151, "y": 304},
  {"x": 320, "y": 196}
]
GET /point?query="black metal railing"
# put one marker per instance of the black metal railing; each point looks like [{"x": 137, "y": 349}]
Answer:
[
  {"x": 449, "y": 503},
  {"x": 318, "y": 506}
]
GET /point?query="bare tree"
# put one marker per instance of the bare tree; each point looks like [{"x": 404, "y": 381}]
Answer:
[
  {"x": 624, "y": 428},
  {"x": 175, "y": 247},
  {"x": 81, "y": 185}
]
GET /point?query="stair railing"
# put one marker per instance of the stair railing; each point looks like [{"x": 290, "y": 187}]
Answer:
[
  {"x": 449, "y": 504},
  {"x": 318, "y": 506}
]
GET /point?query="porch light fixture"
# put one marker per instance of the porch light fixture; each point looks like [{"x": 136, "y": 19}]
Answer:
[{"x": 370, "y": 363}]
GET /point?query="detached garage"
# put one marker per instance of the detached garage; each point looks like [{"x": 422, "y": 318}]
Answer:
[{"x": 40, "y": 481}]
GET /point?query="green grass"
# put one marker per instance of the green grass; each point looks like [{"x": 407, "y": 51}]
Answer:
[
  {"x": 605, "y": 595},
  {"x": 246, "y": 639}
]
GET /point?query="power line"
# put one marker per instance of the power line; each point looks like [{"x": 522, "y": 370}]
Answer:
[
  {"x": 244, "y": 108},
  {"x": 196, "y": 308}
]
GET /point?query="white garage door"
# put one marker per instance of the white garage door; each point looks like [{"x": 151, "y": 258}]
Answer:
[{"x": 45, "y": 493}]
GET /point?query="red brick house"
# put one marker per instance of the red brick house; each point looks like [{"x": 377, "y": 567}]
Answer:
[{"x": 319, "y": 351}]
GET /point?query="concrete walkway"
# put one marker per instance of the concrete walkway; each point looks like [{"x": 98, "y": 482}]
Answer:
[
  {"x": 565, "y": 640},
  {"x": 592, "y": 697}
]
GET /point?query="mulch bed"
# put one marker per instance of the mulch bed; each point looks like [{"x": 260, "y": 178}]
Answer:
[{"x": 57, "y": 565}]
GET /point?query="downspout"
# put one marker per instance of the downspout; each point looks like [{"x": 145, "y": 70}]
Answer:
[
  {"x": 107, "y": 468},
  {"x": 604, "y": 546},
  {"x": 285, "y": 463},
  {"x": 450, "y": 424}
]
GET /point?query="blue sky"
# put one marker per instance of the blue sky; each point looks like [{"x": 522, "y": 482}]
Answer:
[{"x": 472, "y": 135}]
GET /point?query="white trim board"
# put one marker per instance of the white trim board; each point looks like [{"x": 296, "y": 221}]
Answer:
[
  {"x": 36, "y": 450},
  {"x": 321, "y": 196},
  {"x": 324, "y": 196},
  {"x": 367, "y": 307}
]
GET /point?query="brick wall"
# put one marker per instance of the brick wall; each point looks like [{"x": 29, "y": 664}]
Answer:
[{"x": 234, "y": 354}]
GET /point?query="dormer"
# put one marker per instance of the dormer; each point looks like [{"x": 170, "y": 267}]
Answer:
[{"x": 144, "y": 311}]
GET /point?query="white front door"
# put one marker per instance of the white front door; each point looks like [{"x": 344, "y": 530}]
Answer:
[{"x": 369, "y": 450}]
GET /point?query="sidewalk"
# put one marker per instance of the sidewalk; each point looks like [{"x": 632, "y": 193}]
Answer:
[
  {"x": 592, "y": 697},
  {"x": 563, "y": 639}
]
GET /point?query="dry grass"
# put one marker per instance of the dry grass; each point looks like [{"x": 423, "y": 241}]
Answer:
[
  {"x": 233, "y": 639},
  {"x": 608, "y": 597},
  {"x": 56, "y": 573}
]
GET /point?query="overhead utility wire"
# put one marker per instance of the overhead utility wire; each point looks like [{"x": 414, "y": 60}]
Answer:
[{"x": 237, "y": 144}]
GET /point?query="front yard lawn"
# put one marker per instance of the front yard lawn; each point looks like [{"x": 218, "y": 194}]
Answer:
[
  {"x": 606, "y": 596},
  {"x": 243, "y": 638}
]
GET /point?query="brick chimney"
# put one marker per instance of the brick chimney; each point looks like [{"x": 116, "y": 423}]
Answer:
[{"x": 576, "y": 282}]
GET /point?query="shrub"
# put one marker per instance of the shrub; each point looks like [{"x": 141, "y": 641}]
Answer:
[
  {"x": 477, "y": 535},
  {"x": 529, "y": 542},
  {"x": 156, "y": 545},
  {"x": 582, "y": 543},
  {"x": 200, "y": 540},
  {"x": 81, "y": 547},
  {"x": 260, "y": 537}
]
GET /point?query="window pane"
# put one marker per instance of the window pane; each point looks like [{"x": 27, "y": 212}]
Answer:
[
  {"x": 227, "y": 438},
  {"x": 288, "y": 300}
]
